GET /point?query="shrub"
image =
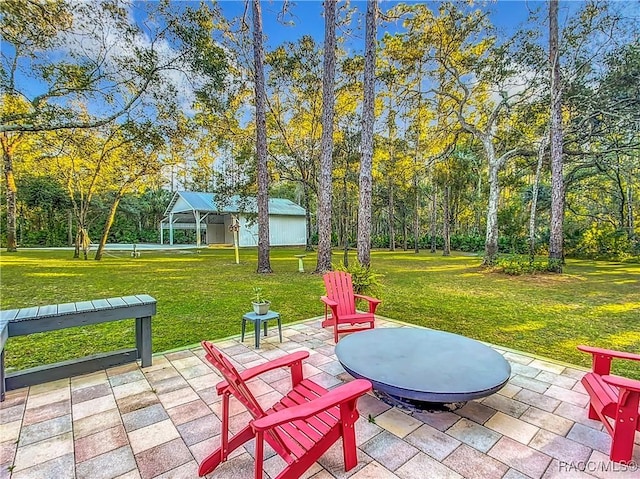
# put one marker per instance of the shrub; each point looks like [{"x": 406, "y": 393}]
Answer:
[
  {"x": 516, "y": 265},
  {"x": 364, "y": 280},
  {"x": 604, "y": 241},
  {"x": 148, "y": 236},
  {"x": 469, "y": 243},
  {"x": 380, "y": 241}
]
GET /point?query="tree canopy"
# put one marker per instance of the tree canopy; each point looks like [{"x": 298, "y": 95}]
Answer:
[{"x": 107, "y": 108}]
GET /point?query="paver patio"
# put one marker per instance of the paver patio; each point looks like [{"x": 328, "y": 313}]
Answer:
[{"x": 159, "y": 422}]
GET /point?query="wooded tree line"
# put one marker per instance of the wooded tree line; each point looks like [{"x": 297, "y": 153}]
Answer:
[{"x": 451, "y": 142}]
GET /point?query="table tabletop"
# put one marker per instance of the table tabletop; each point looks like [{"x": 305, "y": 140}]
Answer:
[
  {"x": 252, "y": 316},
  {"x": 424, "y": 364}
]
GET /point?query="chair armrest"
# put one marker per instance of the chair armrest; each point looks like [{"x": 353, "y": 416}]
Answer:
[
  {"x": 282, "y": 362},
  {"x": 609, "y": 352},
  {"x": 622, "y": 383},
  {"x": 342, "y": 394},
  {"x": 368, "y": 298},
  {"x": 373, "y": 302},
  {"x": 329, "y": 302}
]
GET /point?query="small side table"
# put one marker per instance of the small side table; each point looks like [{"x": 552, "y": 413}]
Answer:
[{"x": 258, "y": 319}]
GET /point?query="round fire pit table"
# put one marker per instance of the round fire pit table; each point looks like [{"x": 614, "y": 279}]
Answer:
[{"x": 423, "y": 365}]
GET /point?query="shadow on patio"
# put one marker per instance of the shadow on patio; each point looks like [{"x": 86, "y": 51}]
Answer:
[{"x": 160, "y": 421}]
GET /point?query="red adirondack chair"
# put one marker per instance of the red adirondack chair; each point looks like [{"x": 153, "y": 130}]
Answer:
[
  {"x": 341, "y": 300},
  {"x": 299, "y": 428},
  {"x": 613, "y": 397}
]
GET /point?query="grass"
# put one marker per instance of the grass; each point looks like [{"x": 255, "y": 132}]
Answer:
[{"x": 203, "y": 295}]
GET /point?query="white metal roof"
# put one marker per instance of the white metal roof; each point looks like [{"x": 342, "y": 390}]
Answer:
[{"x": 187, "y": 201}]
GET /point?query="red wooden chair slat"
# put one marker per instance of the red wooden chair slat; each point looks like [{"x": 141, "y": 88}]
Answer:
[
  {"x": 299, "y": 428},
  {"x": 604, "y": 397},
  {"x": 613, "y": 400},
  {"x": 323, "y": 424},
  {"x": 302, "y": 434},
  {"x": 324, "y": 421},
  {"x": 299, "y": 435},
  {"x": 295, "y": 446},
  {"x": 305, "y": 393},
  {"x": 344, "y": 293},
  {"x": 306, "y": 432},
  {"x": 341, "y": 301}
]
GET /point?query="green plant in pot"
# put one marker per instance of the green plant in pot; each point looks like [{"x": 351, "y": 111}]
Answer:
[{"x": 260, "y": 304}]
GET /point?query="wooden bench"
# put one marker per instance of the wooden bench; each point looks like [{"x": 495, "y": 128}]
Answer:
[
  {"x": 20, "y": 322},
  {"x": 613, "y": 397}
]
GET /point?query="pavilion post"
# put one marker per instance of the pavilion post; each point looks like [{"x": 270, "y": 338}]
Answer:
[
  {"x": 171, "y": 228},
  {"x": 196, "y": 213}
]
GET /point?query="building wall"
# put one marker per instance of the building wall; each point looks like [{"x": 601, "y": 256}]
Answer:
[
  {"x": 248, "y": 232},
  {"x": 283, "y": 231},
  {"x": 216, "y": 234},
  {"x": 228, "y": 234},
  {"x": 216, "y": 229},
  {"x": 287, "y": 230}
]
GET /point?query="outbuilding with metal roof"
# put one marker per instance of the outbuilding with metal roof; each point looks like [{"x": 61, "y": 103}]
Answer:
[{"x": 213, "y": 219}]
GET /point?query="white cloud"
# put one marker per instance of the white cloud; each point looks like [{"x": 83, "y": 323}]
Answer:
[{"x": 97, "y": 38}]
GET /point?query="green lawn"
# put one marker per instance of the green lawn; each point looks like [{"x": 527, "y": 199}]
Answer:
[{"x": 203, "y": 295}]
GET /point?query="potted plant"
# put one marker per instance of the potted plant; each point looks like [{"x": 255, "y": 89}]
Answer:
[{"x": 260, "y": 304}]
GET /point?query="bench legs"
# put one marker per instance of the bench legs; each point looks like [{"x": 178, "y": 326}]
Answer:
[
  {"x": 143, "y": 340},
  {"x": 2, "y": 389}
]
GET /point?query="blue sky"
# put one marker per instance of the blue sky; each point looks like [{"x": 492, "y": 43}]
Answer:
[{"x": 307, "y": 17}]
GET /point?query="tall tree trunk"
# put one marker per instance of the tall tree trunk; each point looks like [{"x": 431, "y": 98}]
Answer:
[
  {"x": 416, "y": 219},
  {"x": 345, "y": 213},
  {"x": 307, "y": 215},
  {"x": 391, "y": 120},
  {"x": 622, "y": 208},
  {"x": 264, "y": 264},
  {"x": 392, "y": 223},
  {"x": 416, "y": 222},
  {"x": 434, "y": 218},
  {"x": 345, "y": 216},
  {"x": 405, "y": 230},
  {"x": 69, "y": 228},
  {"x": 76, "y": 248},
  {"x": 52, "y": 231},
  {"x": 556, "y": 253},
  {"x": 534, "y": 197},
  {"x": 364, "y": 209},
  {"x": 326, "y": 142},
  {"x": 12, "y": 193},
  {"x": 477, "y": 214},
  {"x": 83, "y": 242},
  {"x": 107, "y": 225},
  {"x": 630, "y": 225},
  {"x": 446, "y": 222},
  {"x": 491, "y": 238}
]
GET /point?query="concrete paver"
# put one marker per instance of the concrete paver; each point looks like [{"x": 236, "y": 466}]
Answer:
[{"x": 159, "y": 422}]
